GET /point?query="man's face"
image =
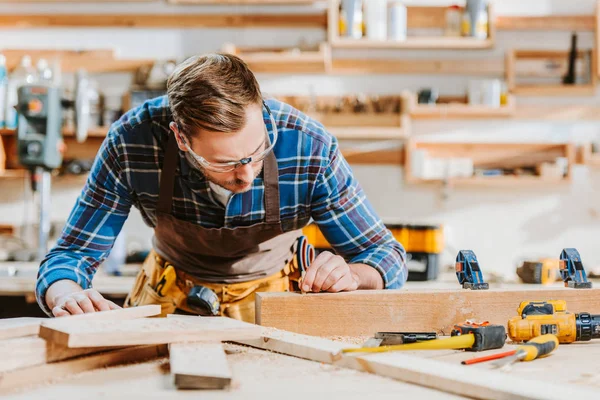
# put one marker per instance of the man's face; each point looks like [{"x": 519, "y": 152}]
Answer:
[{"x": 222, "y": 147}]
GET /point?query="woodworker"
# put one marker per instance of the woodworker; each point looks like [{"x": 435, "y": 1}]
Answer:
[{"x": 227, "y": 179}]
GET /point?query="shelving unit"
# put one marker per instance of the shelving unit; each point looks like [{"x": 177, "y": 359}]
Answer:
[
  {"x": 494, "y": 156},
  {"x": 553, "y": 59},
  {"x": 588, "y": 158},
  {"x": 459, "y": 110},
  {"x": 417, "y": 17},
  {"x": 278, "y": 60}
]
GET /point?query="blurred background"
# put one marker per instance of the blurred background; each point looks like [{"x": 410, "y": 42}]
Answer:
[{"x": 469, "y": 124}]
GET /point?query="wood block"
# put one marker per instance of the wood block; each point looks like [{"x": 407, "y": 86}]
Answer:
[
  {"x": 46, "y": 372},
  {"x": 452, "y": 378},
  {"x": 199, "y": 365},
  {"x": 366, "y": 312},
  {"x": 17, "y": 327},
  {"x": 77, "y": 334}
]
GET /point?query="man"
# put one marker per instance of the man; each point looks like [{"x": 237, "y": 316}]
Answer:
[{"x": 227, "y": 180}]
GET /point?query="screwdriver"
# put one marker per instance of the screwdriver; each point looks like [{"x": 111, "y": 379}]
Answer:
[{"x": 537, "y": 347}]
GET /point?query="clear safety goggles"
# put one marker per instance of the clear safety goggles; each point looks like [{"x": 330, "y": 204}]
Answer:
[{"x": 231, "y": 166}]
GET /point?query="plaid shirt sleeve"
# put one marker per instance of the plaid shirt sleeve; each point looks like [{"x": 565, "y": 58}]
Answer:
[
  {"x": 350, "y": 224},
  {"x": 93, "y": 225}
]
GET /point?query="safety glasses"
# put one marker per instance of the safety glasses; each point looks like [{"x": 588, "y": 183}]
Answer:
[{"x": 231, "y": 166}]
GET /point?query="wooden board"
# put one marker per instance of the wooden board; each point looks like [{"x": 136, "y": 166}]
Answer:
[
  {"x": 163, "y": 20},
  {"x": 365, "y": 312},
  {"x": 459, "y": 43},
  {"x": 30, "y": 376},
  {"x": 111, "y": 286},
  {"x": 17, "y": 327},
  {"x": 484, "y": 67},
  {"x": 198, "y": 365},
  {"x": 145, "y": 331},
  {"x": 547, "y": 23},
  {"x": 451, "y": 378}
]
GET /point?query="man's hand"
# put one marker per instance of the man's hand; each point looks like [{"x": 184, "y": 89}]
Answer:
[
  {"x": 68, "y": 298},
  {"x": 329, "y": 273}
]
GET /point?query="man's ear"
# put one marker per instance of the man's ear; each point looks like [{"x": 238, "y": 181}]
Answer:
[{"x": 178, "y": 136}]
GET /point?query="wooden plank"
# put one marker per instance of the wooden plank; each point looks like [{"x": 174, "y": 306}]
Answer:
[
  {"x": 38, "y": 374},
  {"x": 365, "y": 312},
  {"x": 199, "y": 366},
  {"x": 163, "y": 20},
  {"x": 452, "y": 378},
  {"x": 487, "y": 67},
  {"x": 112, "y": 286},
  {"x": 93, "y": 61},
  {"x": 17, "y": 327},
  {"x": 554, "y": 90},
  {"x": 417, "y": 42},
  {"x": 75, "y": 334},
  {"x": 547, "y": 23}
]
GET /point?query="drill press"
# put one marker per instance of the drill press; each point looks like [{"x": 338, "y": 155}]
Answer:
[{"x": 40, "y": 142}]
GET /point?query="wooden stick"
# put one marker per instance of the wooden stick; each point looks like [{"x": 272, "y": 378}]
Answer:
[
  {"x": 76, "y": 334},
  {"x": 365, "y": 312},
  {"x": 457, "y": 379},
  {"x": 17, "y": 327},
  {"x": 199, "y": 366},
  {"x": 45, "y": 372}
]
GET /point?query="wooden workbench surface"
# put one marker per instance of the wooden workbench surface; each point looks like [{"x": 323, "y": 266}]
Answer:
[{"x": 269, "y": 375}]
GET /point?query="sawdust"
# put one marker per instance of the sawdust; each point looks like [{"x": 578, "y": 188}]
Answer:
[{"x": 349, "y": 339}]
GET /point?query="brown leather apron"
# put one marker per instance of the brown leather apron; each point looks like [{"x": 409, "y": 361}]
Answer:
[{"x": 221, "y": 255}]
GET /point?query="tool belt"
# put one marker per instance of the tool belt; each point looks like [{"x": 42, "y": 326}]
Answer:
[{"x": 236, "y": 299}]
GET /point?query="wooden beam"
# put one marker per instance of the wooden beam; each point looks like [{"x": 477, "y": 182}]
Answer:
[
  {"x": 547, "y": 23},
  {"x": 76, "y": 334},
  {"x": 163, "y": 20},
  {"x": 452, "y": 378},
  {"x": 199, "y": 366},
  {"x": 487, "y": 67},
  {"x": 39, "y": 374},
  {"x": 366, "y": 312},
  {"x": 17, "y": 327}
]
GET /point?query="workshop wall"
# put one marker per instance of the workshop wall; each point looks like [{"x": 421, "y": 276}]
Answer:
[{"x": 500, "y": 225}]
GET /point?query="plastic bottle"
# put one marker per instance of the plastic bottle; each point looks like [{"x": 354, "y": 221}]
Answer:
[
  {"x": 3, "y": 87},
  {"x": 44, "y": 72},
  {"x": 23, "y": 74},
  {"x": 376, "y": 19}
]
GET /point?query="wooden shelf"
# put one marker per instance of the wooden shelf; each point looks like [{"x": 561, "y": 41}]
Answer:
[
  {"x": 92, "y": 61},
  {"x": 547, "y": 23},
  {"x": 415, "y": 43},
  {"x": 549, "y": 57},
  {"x": 587, "y": 157},
  {"x": 486, "y": 155},
  {"x": 316, "y": 20},
  {"x": 13, "y": 174},
  {"x": 460, "y": 110},
  {"x": 369, "y": 133},
  {"x": 284, "y": 60},
  {"x": 99, "y": 131},
  {"x": 496, "y": 181},
  {"x": 433, "y": 17},
  {"x": 246, "y": 2}
]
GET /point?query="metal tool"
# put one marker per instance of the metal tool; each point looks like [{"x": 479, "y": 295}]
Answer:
[
  {"x": 393, "y": 338},
  {"x": 538, "y": 318},
  {"x": 488, "y": 357},
  {"x": 203, "y": 301},
  {"x": 470, "y": 337},
  {"x": 537, "y": 347},
  {"x": 39, "y": 138},
  {"x": 572, "y": 271},
  {"x": 545, "y": 271},
  {"x": 468, "y": 271}
]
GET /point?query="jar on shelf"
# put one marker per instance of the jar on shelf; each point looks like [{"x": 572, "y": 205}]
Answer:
[{"x": 453, "y": 20}]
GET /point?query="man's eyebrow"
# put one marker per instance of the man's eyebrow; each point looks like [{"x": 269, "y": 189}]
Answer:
[{"x": 222, "y": 160}]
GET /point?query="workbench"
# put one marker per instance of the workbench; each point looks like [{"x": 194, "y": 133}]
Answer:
[{"x": 269, "y": 375}]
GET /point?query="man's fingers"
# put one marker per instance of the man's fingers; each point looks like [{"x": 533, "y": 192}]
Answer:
[
  {"x": 312, "y": 271},
  {"x": 334, "y": 277},
  {"x": 346, "y": 283},
  {"x": 99, "y": 302},
  {"x": 73, "y": 307},
  {"x": 112, "y": 305},
  {"x": 322, "y": 275},
  {"x": 60, "y": 312},
  {"x": 85, "y": 303}
]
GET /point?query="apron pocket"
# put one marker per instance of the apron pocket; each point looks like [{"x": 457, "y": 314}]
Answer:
[{"x": 149, "y": 296}]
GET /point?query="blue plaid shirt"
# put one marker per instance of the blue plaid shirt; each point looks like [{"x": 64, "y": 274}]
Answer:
[{"x": 315, "y": 183}]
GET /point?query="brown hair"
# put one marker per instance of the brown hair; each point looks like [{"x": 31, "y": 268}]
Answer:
[{"x": 211, "y": 92}]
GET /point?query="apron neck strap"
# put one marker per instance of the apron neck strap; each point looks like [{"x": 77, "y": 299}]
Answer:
[
  {"x": 167, "y": 176},
  {"x": 271, "y": 181}
]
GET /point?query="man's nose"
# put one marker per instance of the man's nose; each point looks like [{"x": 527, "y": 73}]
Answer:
[{"x": 245, "y": 173}]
